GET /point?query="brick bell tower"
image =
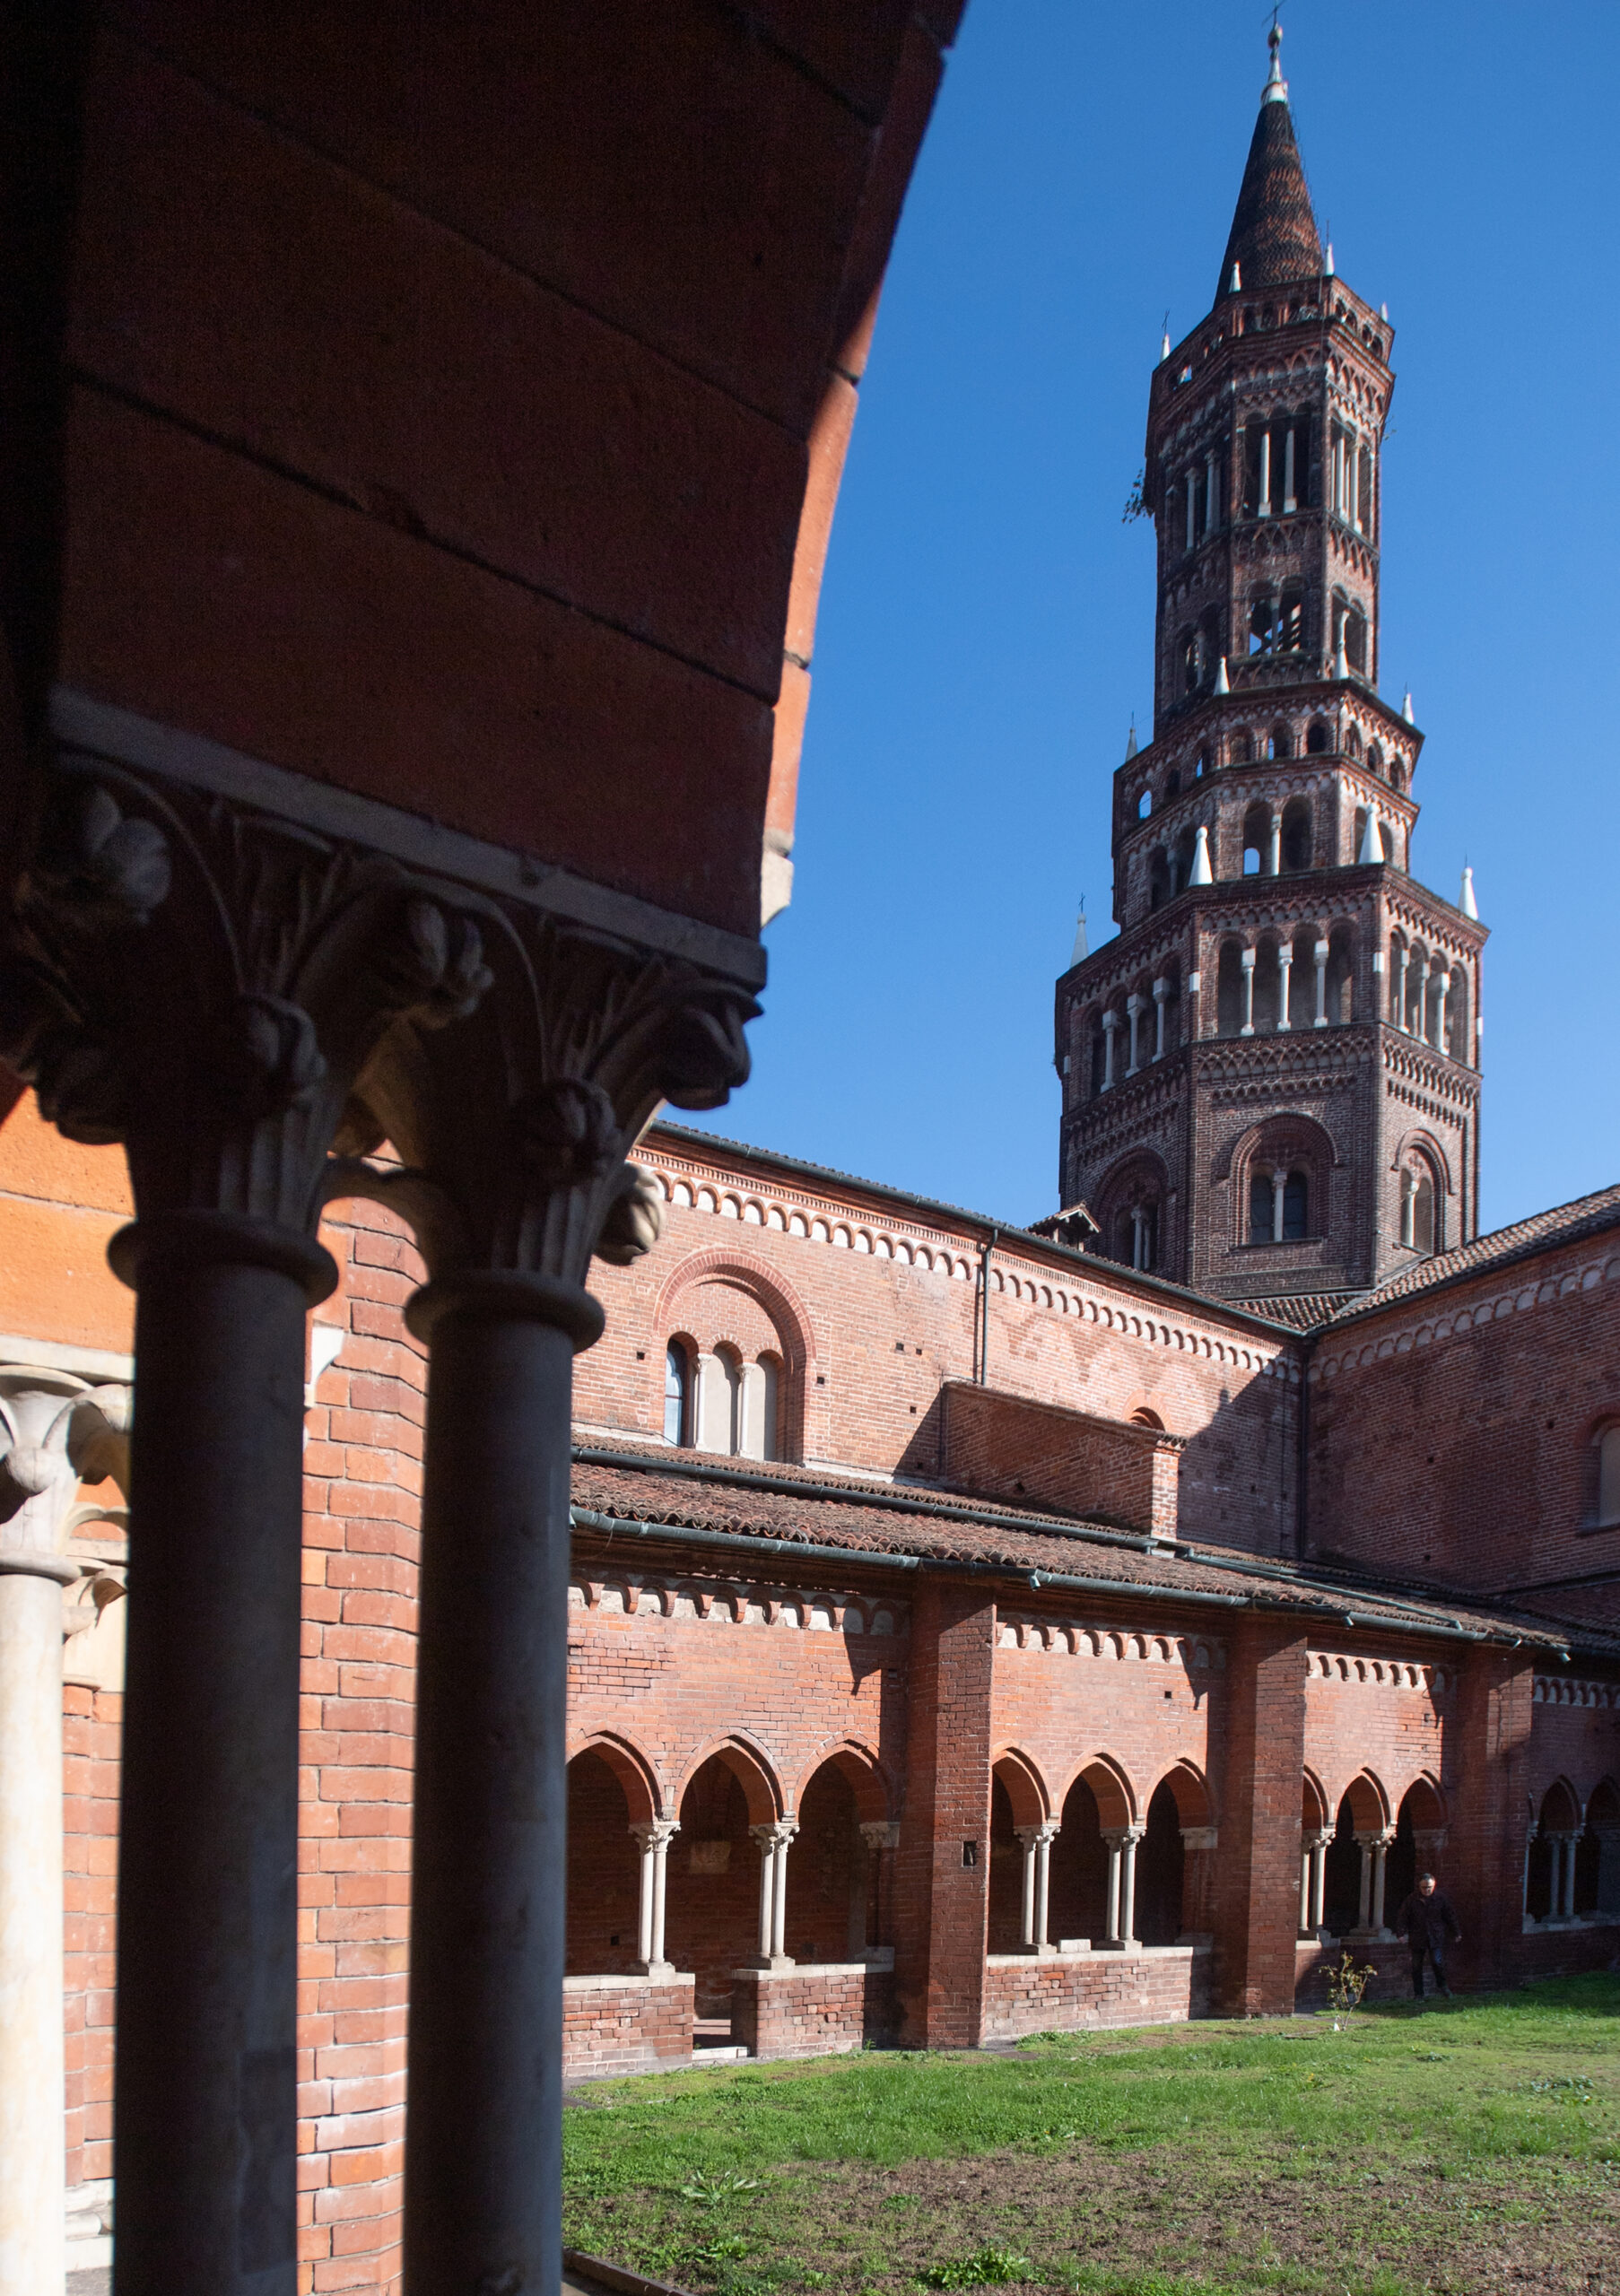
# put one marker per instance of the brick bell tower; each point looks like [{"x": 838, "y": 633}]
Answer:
[{"x": 1271, "y": 1077}]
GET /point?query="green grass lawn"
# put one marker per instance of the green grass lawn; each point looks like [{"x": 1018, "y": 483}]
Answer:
[{"x": 1472, "y": 2146}]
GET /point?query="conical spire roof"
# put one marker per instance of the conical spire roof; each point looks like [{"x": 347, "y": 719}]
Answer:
[{"x": 1274, "y": 236}]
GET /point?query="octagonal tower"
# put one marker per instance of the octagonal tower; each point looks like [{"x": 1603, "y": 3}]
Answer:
[{"x": 1270, "y": 1077}]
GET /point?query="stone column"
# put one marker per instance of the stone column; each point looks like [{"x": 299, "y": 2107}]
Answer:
[
  {"x": 1316, "y": 1845},
  {"x": 1381, "y": 1851},
  {"x": 654, "y": 1835},
  {"x": 1114, "y": 1840},
  {"x": 774, "y": 1839},
  {"x": 1246, "y": 964},
  {"x": 54, "y": 1428},
  {"x": 1134, "y": 1007},
  {"x": 1403, "y": 958},
  {"x": 1265, "y": 505},
  {"x": 1192, "y": 509},
  {"x": 1279, "y": 1188},
  {"x": 1408, "y": 1207},
  {"x": 1212, "y": 501},
  {"x": 1442, "y": 991},
  {"x": 1161, "y": 998},
  {"x": 1532, "y": 1835},
  {"x": 1567, "y": 1902},
  {"x": 1037, "y": 1845},
  {"x": 1285, "y": 958},
  {"x": 1305, "y": 1889},
  {"x": 1290, "y": 501},
  {"x": 1274, "y": 847},
  {"x": 1121, "y": 1882},
  {"x": 1425, "y": 970},
  {"x": 1321, "y": 955},
  {"x": 1364, "y": 1914},
  {"x": 1110, "y": 1025}
]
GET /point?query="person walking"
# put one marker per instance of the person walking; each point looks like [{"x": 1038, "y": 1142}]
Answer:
[{"x": 1428, "y": 1921}]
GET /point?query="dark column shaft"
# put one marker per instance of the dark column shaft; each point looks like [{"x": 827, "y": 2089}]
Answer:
[
  {"x": 484, "y": 2146},
  {"x": 204, "y": 2123}
]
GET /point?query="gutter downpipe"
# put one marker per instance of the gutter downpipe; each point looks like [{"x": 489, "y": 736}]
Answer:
[
  {"x": 990, "y": 1242},
  {"x": 733, "y": 1541}
]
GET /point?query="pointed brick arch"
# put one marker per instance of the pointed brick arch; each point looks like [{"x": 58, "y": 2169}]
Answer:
[
  {"x": 643, "y": 1791},
  {"x": 753, "y": 1769}
]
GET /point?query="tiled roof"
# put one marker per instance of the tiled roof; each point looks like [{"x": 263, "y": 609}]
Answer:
[
  {"x": 1565, "y": 1223},
  {"x": 806, "y": 1508},
  {"x": 1274, "y": 235},
  {"x": 1303, "y": 1310}
]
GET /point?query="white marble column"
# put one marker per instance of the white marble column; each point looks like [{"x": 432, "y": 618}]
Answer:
[
  {"x": 1138, "y": 1236},
  {"x": 1110, "y": 1029},
  {"x": 1321, "y": 955},
  {"x": 1285, "y": 958},
  {"x": 1290, "y": 501},
  {"x": 1161, "y": 998},
  {"x": 654, "y": 1835},
  {"x": 1246, "y": 962},
  {"x": 1265, "y": 510},
  {"x": 1279, "y": 1183},
  {"x": 1408, "y": 1207},
  {"x": 1121, "y": 1882},
  {"x": 774, "y": 1839},
  {"x": 53, "y": 1428},
  {"x": 1317, "y": 1847},
  {"x": 1441, "y": 990},
  {"x": 1403, "y": 958},
  {"x": 1133, "y": 1007},
  {"x": 1273, "y": 848},
  {"x": 1380, "y": 1852}
]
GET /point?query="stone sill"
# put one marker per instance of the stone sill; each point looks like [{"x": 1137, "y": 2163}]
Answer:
[
  {"x": 1560, "y": 1925},
  {"x": 879, "y": 1960},
  {"x": 629, "y": 1983},
  {"x": 1088, "y": 1952}
]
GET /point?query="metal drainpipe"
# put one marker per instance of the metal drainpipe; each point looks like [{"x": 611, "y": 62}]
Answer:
[{"x": 990, "y": 1242}]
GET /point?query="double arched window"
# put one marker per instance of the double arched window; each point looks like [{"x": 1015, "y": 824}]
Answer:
[
  {"x": 717, "y": 1401},
  {"x": 1279, "y": 1206}
]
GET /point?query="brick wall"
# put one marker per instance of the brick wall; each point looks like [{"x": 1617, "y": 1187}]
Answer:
[
  {"x": 1010, "y": 1448},
  {"x": 1451, "y": 1435},
  {"x": 1256, "y": 1877},
  {"x": 941, "y": 1899},
  {"x": 816, "y": 2010},
  {"x": 1377, "y": 1708},
  {"x": 90, "y": 1723},
  {"x": 625, "y": 2025},
  {"x": 1149, "y": 1985}
]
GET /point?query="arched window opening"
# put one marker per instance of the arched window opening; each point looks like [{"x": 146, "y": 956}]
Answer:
[
  {"x": 1352, "y": 743},
  {"x": 1161, "y": 1866},
  {"x": 1339, "y": 997},
  {"x": 603, "y": 1873},
  {"x": 1608, "y": 1448},
  {"x": 1288, "y": 634},
  {"x": 677, "y": 1394},
  {"x": 1242, "y": 748},
  {"x": 1260, "y": 625},
  {"x": 1296, "y": 1194},
  {"x": 1229, "y": 990},
  {"x": 1144, "y": 805},
  {"x": 1317, "y": 737},
  {"x": 730, "y": 1429},
  {"x": 1172, "y": 780},
  {"x": 1257, "y": 841},
  {"x": 1268, "y": 986},
  {"x": 1143, "y": 1417},
  {"x": 1297, "y": 850},
  {"x": 1355, "y": 640},
  {"x": 1550, "y": 1881},
  {"x": 1419, "y": 1208},
  {"x": 1261, "y": 1211},
  {"x": 1159, "y": 888},
  {"x": 1341, "y": 1905},
  {"x": 1281, "y": 742},
  {"x": 1077, "y": 1904},
  {"x": 1598, "y": 1853},
  {"x": 1375, "y": 763}
]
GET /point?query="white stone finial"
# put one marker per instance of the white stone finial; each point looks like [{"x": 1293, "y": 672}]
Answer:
[
  {"x": 1277, "y": 87},
  {"x": 1201, "y": 874},
  {"x": 1341, "y": 660},
  {"x": 1082, "y": 948},
  {"x": 1465, "y": 901},
  {"x": 1383, "y": 310},
  {"x": 1164, "y": 347},
  {"x": 1235, "y": 285},
  {"x": 1130, "y": 743},
  {"x": 1406, "y": 707},
  {"x": 1372, "y": 843},
  {"x": 1327, "y": 268},
  {"x": 1223, "y": 683}
]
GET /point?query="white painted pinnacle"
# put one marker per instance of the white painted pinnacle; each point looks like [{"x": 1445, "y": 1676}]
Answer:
[
  {"x": 1406, "y": 708},
  {"x": 1372, "y": 843},
  {"x": 1223, "y": 683},
  {"x": 1201, "y": 874},
  {"x": 1165, "y": 347},
  {"x": 1341, "y": 660},
  {"x": 1465, "y": 901},
  {"x": 1235, "y": 285},
  {"x": 1081, "y": 948},
  {"x": 1277, "y": 87},
  {"x": 1130, "y": 743},
  {"x": 1328, "y": 266}
]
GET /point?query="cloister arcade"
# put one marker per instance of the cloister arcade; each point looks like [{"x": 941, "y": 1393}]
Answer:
[
  {"x": 1571, "y": 1864},
  {"x": 1096, "y": 1865},
  {"x": 1360, "y": 1855}
]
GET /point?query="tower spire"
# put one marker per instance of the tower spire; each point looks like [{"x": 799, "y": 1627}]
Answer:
[{"x": 1274, "y": 238}]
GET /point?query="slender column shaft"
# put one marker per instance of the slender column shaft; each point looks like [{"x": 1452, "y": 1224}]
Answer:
[
  {"x": 1212, "y": 501},
  {"x": 1321, "y": 955},
  {"x": 1161, "y": 998},
  {"x": 1364, "y": 1911},
  {"x": 1273, "y": 848},
  {"x": 1192, "y": 509},
  {"x": 1113, "y": 1889},
  {"x": 1133, "y": 1007},
  {"x": 1027, "y": 1844},
  {"x": 1289, "y": 502},
  {"x": 1529, "y": 1844},
  {"x": 1442, "y": 989},
  {"x": 1044, "y": 1877},
  {"x": 1284, "y": 957},
  {"x": 1424, "y": 972},
  {"x": 644, "y": 1924},
  {"x": 1305, "y": 1892},
  {"x": 767, "y": 1895},
  {"x": 1318, "y": 1881},
  {"x": 779, "y": 1901},
  {"x": 1354, "y": 459},
  {"x": 1127, "y": 1891},
  {"x": 482, "y": 2191},
  {"x": 1279, "y": 1182},
  {"x": 1246, "y": 964},
  {"x": 205, "y": 2113},
  {"x": 1265, "y": 471},
  {"x": 660, "y": 1879},
  {"x": 1381, "y": 1850},
  {"x": 1111, "y": 1028},
  {"x": 1403, "y": 958},
  {"x": 32, "y": 2092}
]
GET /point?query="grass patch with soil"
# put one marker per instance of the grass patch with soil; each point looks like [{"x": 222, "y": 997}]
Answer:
[{"x": 1471, "y": 2148}]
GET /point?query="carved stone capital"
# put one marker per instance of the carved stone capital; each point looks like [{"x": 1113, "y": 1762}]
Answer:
[{"x": 56, "y": 1432}]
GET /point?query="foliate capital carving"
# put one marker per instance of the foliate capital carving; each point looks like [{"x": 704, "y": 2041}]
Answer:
[
  {"x": 56, "y": 1432},
  {"x": 655, "y": 1833},
  {"x": 515, "y": 1129},
  {"x": 776, "y": 1835},
  {"x": 201, "y": 980}
]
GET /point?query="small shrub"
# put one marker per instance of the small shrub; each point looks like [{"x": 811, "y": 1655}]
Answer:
[
  {"x": 1347, "y": 1983},
  {"x": 984, "y": 2268},
  {"x": 713, "y": 2192}
]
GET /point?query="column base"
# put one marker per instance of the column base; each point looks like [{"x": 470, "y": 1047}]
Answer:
[
  {"x": 662, "y": 1970},
  {"x": 769, "y": 1961}
]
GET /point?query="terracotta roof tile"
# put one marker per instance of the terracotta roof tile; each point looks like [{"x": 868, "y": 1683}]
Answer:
[{"x": 1565, "y": 1223}]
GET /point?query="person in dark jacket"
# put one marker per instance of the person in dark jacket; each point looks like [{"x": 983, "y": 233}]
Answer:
[{"x": 1428, "y": 1921}]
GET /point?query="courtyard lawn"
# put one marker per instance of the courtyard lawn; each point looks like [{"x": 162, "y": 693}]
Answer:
[{"x": 1472, "y": 2147}]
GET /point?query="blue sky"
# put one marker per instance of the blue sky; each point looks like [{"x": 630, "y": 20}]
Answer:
[{"x": 986, "y": 627}]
